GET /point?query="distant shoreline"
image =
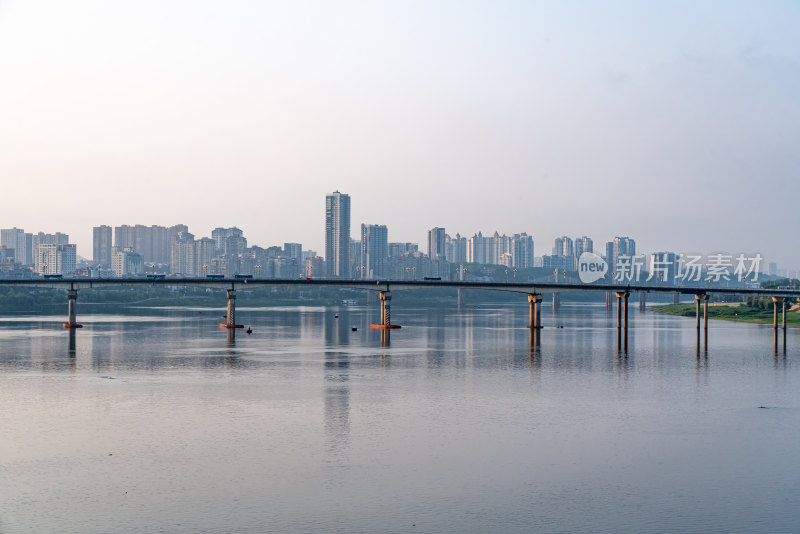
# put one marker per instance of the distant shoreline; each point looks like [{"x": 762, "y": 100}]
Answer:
[{"x": 728, "y": 312}]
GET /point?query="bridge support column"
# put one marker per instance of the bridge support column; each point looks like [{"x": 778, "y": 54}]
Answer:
[
  {"x": 704, "y": 299},
  {"x": 783, "y": 322},
  {"x": 626, "y": 312},
  {"x": 535, "y": 311},
  {"x": 230, "y": 322},
  {"x": 609, "y": 300},
  {"x": 775, "y": 301},
  {"x": 622, "y": 327},
  {"x": 556, "y": 301},
  {"x": 697, "y": 300},
  {"x": 642, "y": 301},
  {"x": 676, "y": 298},
  {"x": 386, "y": 312},
  {"x": 72, "y": 320}
]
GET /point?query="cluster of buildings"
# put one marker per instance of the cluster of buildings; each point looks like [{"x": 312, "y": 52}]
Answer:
[
  {"x": 374, "y": 257},
  {"x": 132, "y": 250},
  {"x": 22, "y": 251},
  {"x": 174, "y": 250}
]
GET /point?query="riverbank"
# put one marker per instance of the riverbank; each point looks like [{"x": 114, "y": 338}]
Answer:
[{"x": 729, "y": 312}]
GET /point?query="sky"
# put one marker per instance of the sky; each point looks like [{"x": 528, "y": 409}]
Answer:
[{"x": 676, "y": 123}]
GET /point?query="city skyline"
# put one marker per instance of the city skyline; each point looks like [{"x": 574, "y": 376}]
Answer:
[
  {"x": 129, "y": 237},
  {"x": 135, "y": 247},
  {"x": 676, "y": 118}
]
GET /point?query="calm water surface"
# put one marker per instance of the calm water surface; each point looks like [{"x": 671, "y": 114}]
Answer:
[{"x": 154, "y": 421}]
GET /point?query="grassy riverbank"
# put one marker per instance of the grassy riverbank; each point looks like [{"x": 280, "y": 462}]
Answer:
[{"x": 730, "y": 312}]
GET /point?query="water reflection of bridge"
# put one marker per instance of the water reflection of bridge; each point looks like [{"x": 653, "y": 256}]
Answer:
[{"x": 533, "y": 290}]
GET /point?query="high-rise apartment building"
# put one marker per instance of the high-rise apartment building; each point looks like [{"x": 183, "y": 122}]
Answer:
[
  {"x": 125, "y": 237},
  {"x": 22, "y": 243},
  {"x": 229, "y": 241},
  {"x": 101, "y": 245},
  {"x": 523, "y": 251},
  {"x": 337, "y": 234},
  {"x": 582, "y": 244},
  {"x": 182, "y": 254},
  {"x": 205, "y": 250},
  {"x": 151, "y": 242},
  {"x": 55, "y": 259},
  {"x": 456, "y": 249},
  {"x": 374, "y": 250},
  {"x": 624, "y": 246},
  {"x": 126, "y": 262},
  {"x": 564, "y": 247},
  {"x": 294, "y": 251},
  {"x": 436, "y": 244}
]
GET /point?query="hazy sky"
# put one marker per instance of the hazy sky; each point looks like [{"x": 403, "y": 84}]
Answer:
[{"x": 677, "y": 123}]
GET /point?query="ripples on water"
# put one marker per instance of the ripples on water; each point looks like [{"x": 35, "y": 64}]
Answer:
[{"x": 157, "y": 421}]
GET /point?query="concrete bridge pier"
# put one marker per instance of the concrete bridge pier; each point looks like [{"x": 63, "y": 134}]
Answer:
[
  {"x": 697, "y": 300},
  {"x": 622, "y": 326},
  {"x": 783, "y": 321},
  {"x": 622, "y": 306},
  {"x": 609, "y": 300},
  {"x": 72, "y": 320},
  {"x": 556, "y": 301},
  {"x": 386, "y": 312},
  {"x": 676, "y": 298},
  {"x": 782, "y": 301},
  {"x": 704, "y": 299},
  {"x": 642, "y": 301},
  {"x": 535, "y": 312},
  {"x": 230, "y": 322}
]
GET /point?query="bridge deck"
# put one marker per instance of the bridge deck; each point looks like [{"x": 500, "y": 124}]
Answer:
[{"x": 396, "y": 285}]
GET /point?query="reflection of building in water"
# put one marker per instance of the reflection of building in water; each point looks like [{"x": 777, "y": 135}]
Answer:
[{"x": 337, "y": 408}]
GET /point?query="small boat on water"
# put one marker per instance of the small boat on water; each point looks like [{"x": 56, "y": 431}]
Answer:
[
  {"x": 355, "y": 329},
  {"x": 335, "y": 315}
]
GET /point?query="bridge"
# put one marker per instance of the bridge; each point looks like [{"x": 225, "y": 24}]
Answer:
[{"x": 533, "y": 290}]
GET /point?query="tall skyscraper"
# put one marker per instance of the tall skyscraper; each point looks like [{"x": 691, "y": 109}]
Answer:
[
  {"x": 374, "y": 250},
  {"x": 436, "y": 244},
  {"x": 102, "y": 245},
  {"x": 337, "y": 234}
]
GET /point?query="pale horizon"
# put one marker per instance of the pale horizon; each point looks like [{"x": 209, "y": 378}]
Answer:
[{"x": 674, "y": 123}]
